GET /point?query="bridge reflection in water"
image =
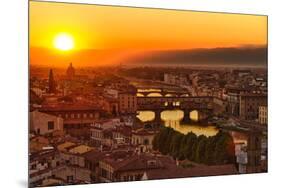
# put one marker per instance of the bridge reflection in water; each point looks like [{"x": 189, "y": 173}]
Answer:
[
  {"x": 154, "y": 95},
  {"x": 173, "y": 118},
  {"x": 162, "y": 94}
]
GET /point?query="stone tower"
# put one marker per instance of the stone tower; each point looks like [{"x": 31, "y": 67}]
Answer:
[
  {"x": 52, "y": 84},
  {"x": 70, "y": 72}
]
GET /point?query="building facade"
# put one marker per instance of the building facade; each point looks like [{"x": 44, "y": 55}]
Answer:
[
  {"x": 77, "y": 119},
  {"x": 249, "y": 105},
  {"x": 42, "y": 123},
  {"x": 127, "y": 102},
  {"x": 263, "y": 115},
  {"x": 175, "y": 79},
  {"x": 52, "y": 84},
  {"x": 143, "y": 139}
]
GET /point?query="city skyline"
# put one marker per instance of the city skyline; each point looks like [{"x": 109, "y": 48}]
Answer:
[{"x": 121, "y": 94}]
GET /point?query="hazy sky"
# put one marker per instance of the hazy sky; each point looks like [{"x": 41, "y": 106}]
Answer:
[{"x": 108, "y": 27}]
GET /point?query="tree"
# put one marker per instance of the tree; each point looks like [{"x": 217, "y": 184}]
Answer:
[
  {"x": 189, "y": 141},
  {"x": 200, "y": 150},
  {"x": 224, "y": 148},
  {"x": 155, "y": 142},
  {"x": 218, "y": 149},
  {"x": 166, "y": 144},
  {"x": 175, "y": 144},
  {"x": 209, "y": 152}
]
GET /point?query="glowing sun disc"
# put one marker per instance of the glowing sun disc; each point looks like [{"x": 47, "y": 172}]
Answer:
[{"x": 63, "y": 42}]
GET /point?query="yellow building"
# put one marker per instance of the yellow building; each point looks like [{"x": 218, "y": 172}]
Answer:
[
  {"x": 128, "y": 101},
  {"x": 263, "y": 115}
]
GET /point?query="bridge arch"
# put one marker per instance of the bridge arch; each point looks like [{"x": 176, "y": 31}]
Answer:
[
  {"x": 177, "y": 115},
  {"x": 154, "y": 94},
  {"x": 184, "y": 95},
  {"x": 140, "y": 95},
  {"x": 194, "y": 115},
  {"x": 170, "y": 95}
]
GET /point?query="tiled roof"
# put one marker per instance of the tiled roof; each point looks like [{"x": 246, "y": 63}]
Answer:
[
  {"x": 42, "y": 154},
  {"x": 65, "y": 145},
  {"x": 143, "y": 132},
  {"x": 133, "y": 162},
  {"x": 125, "y": 130},
  {"x": 93, "y": 155},
  {"x": 173, "y": 171},
  {"x": 68, "y": 107}
]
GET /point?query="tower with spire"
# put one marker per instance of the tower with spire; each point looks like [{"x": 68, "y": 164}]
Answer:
[
  {"x": 52, "y": 84},
  {"x": 70, "y": 72}
]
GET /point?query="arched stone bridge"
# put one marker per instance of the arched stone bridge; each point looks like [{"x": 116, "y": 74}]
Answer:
[
  {"x": 164, "y": 92},
  {"x": 187, "y": 104}
]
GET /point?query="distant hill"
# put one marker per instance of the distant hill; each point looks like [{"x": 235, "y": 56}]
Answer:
[
  {"x": 84, "y": 57},
  {"x": 98, "y": 57},
  {"x": 246, "y": 56}
]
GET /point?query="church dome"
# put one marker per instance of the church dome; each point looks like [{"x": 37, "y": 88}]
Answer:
[{"x": 70, "y": 72}]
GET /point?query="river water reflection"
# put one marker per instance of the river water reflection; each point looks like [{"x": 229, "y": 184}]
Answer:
[{"x": 172, "y": 118}]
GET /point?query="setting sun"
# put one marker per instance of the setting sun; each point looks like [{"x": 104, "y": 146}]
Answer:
[{"x": 64, "y": 42}]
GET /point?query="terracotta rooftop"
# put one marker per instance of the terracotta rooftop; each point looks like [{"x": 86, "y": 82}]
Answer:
[
  {"x": 68, "y": 107},
  {"x": 133, "y": 162},
  {"x": 64, "y": 146},
  {"x": 143, "y": 132},
  {"x": 173, "y": 171},
  {"x": 93, "y": 156},
  {"x": 42, "y": 154},
  {"x": 125, "y": 130},
  {"x": 253, "y": 95},
  {"x": 80, "y": 149}
]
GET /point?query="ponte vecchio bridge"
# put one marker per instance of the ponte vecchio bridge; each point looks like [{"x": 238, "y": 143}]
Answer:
[
  {"x": 203, "y": 105},
  {"x": 164, "y": 92}
]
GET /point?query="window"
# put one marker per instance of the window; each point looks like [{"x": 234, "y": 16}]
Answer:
[
  {"x": 104, "y": 173},
  {"x": 138, "y": 177},
  {"x": 69, "y": 178},
  {"x": 146, "y": 142},
  {"x": 125, "y": 178},
  {"x": 50, "y": 125}
]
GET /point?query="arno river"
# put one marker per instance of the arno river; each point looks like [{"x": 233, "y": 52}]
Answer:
[{"x": 172, "y": 118}]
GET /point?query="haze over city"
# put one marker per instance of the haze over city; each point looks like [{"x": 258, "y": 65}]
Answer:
[
  {"x": 105, "y": 35},
  {"x": 121, "y": 94}
]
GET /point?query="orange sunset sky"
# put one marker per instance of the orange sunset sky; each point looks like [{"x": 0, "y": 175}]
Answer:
[{"x": 104, "y": 34}]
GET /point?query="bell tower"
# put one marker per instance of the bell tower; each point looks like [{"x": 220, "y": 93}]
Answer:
[{"x": 70, "y": 72}]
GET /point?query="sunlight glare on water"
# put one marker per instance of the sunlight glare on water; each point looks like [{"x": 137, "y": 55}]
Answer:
[{"x": 172, "y": 118}]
